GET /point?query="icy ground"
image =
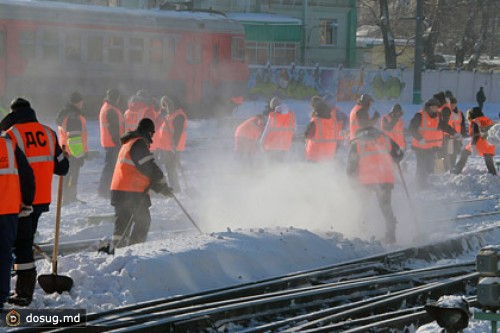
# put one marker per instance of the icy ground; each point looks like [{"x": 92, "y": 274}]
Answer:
[{"x": 257, "y": 222}]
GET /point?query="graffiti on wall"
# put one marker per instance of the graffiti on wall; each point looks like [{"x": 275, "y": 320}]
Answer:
[{"x": 296, "y": 82}]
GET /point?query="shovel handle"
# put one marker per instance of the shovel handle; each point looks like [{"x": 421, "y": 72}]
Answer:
[{"x": 58, "y": 222}]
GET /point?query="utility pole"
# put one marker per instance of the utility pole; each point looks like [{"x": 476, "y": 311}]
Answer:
[
  {"x": 304, "y": 30},
  {"x": 417, "y": 68}
]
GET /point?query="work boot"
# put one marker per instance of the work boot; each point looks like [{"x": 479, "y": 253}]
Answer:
[{"x": 25, "y": 286}]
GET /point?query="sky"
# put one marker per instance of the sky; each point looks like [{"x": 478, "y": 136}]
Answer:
[{"x": 256, "y": 223}]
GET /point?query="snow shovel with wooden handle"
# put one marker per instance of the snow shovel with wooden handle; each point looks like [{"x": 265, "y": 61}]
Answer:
[{"x": 52, "y": 283}]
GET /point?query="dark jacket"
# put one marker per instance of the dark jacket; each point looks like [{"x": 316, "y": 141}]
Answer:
[
  {"x": 27, "y": 116},
  {"x": 139, "y": 151},
  {"x": 368, "y": 133},
  {"x": 26, "y": 178}
]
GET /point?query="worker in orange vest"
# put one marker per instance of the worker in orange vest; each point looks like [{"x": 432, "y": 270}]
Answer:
[
  {"x": 393, "y": 126},
  {"x": 18, "y": 190},
  {"x": 449, "y": 132},
  {"x": 172, "y": 139},
  {"x": 276, "y": 139},
  {"x": 72, "y": 128},
  {"x": 321, "y": 133},
  {"x": 341, "y": 120},
  {"x": 247, "y": 134},
  {"x": 370, "y": 160},
  {"x": 140, "y": 106},
  {"x": 478, "y": 130},
  {"x": 39, "y": 144},
  {"x": 112, "y": 127},
  {"x": 426, "y": 128},
  {"x": 135, "y": 174},
  {"x": 360, "y": 116}
]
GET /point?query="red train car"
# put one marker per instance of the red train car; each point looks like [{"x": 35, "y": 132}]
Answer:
[{"x": 48, "y": 49}]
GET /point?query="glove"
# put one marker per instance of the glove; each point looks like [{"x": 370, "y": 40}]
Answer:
[
  {"x": 25, "y": 210},
  {"x": 167, "y": 191}
]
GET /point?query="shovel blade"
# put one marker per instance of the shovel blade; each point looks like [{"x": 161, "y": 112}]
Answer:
[{"x": 52, "y": 283}]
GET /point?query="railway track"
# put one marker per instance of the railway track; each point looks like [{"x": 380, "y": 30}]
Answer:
[{"x": 382, "y": 291}]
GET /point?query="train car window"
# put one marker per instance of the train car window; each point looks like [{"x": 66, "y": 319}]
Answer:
[
  {"x": 73, "y": 47},
  {"x": 156, "y": 51},
  {"x": 136, "y": 50},
  {"x": 2, "y": 42},
  {"x": 27, "y": 45},
  {"x": 237, "y": 48},
  {"x": 193, "y": 53},
  {"x": 171, "y": 48},
  {"x": 115, "y": 53},
  {"x": 50, "y": 45},
  {"x": 94, "y": 48}
]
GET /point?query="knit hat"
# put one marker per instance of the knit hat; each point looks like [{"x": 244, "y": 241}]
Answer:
[
  {"x": 112, "y": 94},
  {"x": 431, "y": 102},
  {"x": 146, "y": 126},
  {"x": 75, "y": 97},
  {"x": 20, "y": 104}
]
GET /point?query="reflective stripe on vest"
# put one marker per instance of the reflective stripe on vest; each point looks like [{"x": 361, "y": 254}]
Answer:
[
  {"x": 75, "y": 141},
  {"x": 10, "y": 195}
]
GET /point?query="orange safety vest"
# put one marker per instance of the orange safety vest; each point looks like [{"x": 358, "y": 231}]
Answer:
[
  {"x": 280, "y": 131},
  {"x": 375, "y": 162},
  {"x": 106, "y": 140},
  {"x": 167, "y": 132},
  {"x": 340, "y": 135},
  {"x": 482, "y": 145},
  {"x": 397, "y": 133},
  {"x": 249, "y": 129},
  {"x": 132, "y": 118},
  {"x": 429, "y": 131},
  {"x": 81, "y": 136},
  {"x": 322, "y": 146},
  {"x": 38, "y": 143},
  {"x": 10, "y": 195},
  {"x": 353, "y": 121},
  {"x": 126, "y": 176}
]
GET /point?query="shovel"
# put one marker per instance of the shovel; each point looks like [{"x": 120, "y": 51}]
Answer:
[{"x": 51, "y": 283}]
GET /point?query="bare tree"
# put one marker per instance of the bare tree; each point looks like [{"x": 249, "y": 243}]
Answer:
[{"x": 388, "y": 37}]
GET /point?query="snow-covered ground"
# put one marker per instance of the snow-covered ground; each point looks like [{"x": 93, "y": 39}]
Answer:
[{"x": 257, "y": 222}]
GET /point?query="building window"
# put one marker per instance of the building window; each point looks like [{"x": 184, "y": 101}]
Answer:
[
  {"x": 257, "y": 53},
  {"x": 156, "y": 52},
  {"x": 94, "y": 48},
  {"x": 72, "y": 47},
  {"x": 136, "y": 50},
  {"x": 27, "y": 45},
  {"x": 237, "y": 49},
  {"x": 50, "y": 45},
  {"x": 284, "y": 53},
  {"x": 328, "y": 32},
  {"x": 115, "y": 53}
]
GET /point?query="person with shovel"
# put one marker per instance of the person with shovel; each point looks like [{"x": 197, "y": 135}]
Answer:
[
  {"x": 370, "y": 160},
  {"x": 45, "y": 156},
  {"x": 135, "y": 173},
  {"x": 18, "y": 190}
]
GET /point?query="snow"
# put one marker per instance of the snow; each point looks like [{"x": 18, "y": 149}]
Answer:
[{"x": 257, "y": 222}]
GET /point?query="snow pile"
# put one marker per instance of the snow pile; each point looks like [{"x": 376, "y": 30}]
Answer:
[{"x": 494, "y": 135}]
